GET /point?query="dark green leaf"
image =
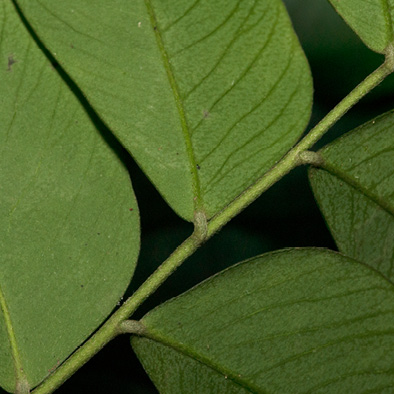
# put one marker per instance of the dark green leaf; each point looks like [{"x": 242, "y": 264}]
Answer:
[
  {"x": 69, "y": 221},
  {"x": 301, "y": 320},
  {"x": 207, "y": 96},
  {"x": 355, "y": 191}
]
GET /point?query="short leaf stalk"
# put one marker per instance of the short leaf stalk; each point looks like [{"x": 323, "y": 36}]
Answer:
[
  {"x": 132, "y": 327},
  {"x": 298, "y": 155}
]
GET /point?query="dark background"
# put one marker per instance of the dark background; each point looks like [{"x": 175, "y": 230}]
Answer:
[{"x": 284, "y": 216}]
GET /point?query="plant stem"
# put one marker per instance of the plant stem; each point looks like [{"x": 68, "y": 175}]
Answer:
[
  {"x": 112, "y": 327},
  {"x": 202, "y": 232},
  {"x": 292, "y": 158}
]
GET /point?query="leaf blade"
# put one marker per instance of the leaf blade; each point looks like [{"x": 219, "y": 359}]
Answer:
[
  {"x": 197, "y": 120},
  {"x": 302, "y": 318},
  {"x": 379, "y": 34},
  {"x": 64, "y": 192},
  {"x": 355, "y": 191}
]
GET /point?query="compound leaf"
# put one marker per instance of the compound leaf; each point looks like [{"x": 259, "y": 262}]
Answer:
[
  {"x": 298, "y": 320},
  {"x": 69, "y": 221},
  {"x": 206, "y": 96}
]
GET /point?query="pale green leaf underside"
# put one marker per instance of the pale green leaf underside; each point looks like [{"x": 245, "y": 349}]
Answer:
[
  {"x": 355, "y": 191},
  {"x": 372, "y": 20},
  {"x": 301, "y": 320},
  {"x": 206, "y": 95},
  {"x": 68, "y": 239}
]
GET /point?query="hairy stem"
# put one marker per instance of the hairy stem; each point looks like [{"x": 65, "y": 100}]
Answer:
[
  {"x": 113, "y": 326},
  {"x": 204, "y": 230}
]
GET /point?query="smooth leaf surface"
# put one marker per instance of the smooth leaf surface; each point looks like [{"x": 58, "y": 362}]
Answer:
[
  {"x": 372, "y": 20},
  {"x": 69, "y": 221},
  {"x": 355, "y": 191},
  {"x": 327, "y": 40},
  {"x": 300, "y": 320},
  {"x": 207, "y": 96}
]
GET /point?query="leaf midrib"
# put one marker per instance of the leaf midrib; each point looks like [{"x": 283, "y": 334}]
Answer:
[
  {"x": 341, "y": 175},
  {"x": 197, "y": 200},
  {"x": 20, "y": 377},
  {"x": 158, "y": 337}
]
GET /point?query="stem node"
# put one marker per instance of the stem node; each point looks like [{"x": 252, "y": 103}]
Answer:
[
  {"x": 389, "y": 58},
  {"x": 132, "y": 327},
  {"x": 310, "y": 157},
  {"x": 200, "y": 226}
]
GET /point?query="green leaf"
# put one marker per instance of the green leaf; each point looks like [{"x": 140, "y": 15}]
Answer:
[
  {"x": 69, "y": 221},
  {"x": 355, "y": 191},
  {"x": 206, "y": 96},
  {"x": 328, "y": 40},
  {"x": 372, "y": 21},
  {"x": 300, "y": 320}
]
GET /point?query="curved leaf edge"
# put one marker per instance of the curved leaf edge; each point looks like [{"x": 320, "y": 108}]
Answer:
[
  {"x": 155, "y": 335},
  {"x": 22, "y": 384},
  {"x": 102, "y": 128},
  {"x": 381, "y": 50},
  {"x": 313, "y": 172},
  {"x": 197, "y": 201}
]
